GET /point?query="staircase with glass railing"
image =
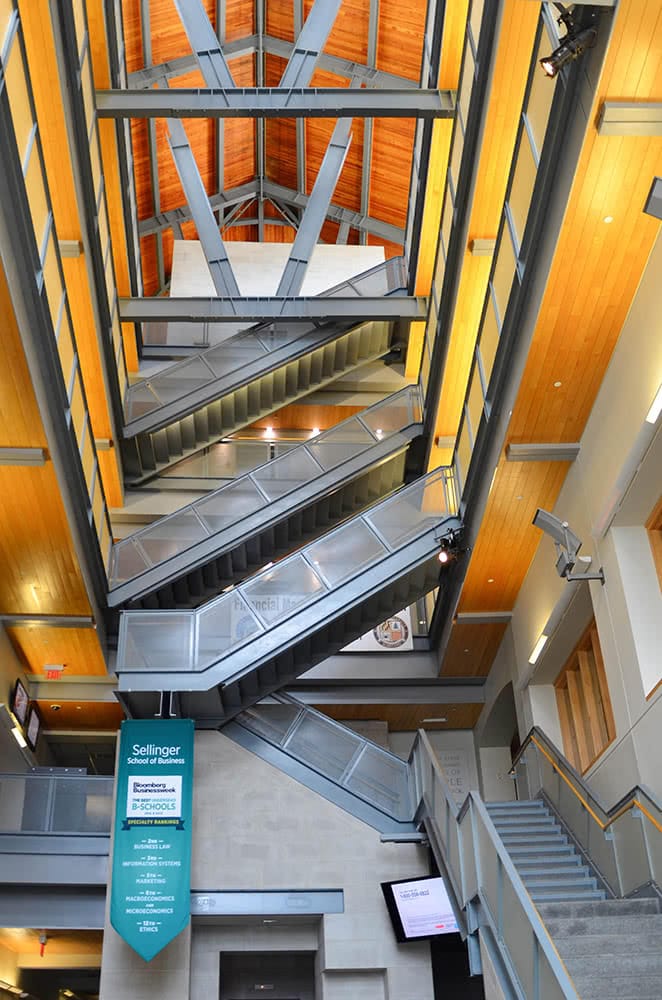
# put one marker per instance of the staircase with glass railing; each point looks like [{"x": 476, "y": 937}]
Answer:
[
  {"x": 233, "y": 651},
  {"x": 200, "y": 400},
  {"x": 188, "y": 557}
]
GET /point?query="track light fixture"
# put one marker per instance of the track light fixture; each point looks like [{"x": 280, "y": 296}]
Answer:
[{"x": 572, "y": 45}]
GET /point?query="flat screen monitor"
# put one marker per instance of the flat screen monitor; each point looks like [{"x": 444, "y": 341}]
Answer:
[
  {"x": 20, "y": 703},
  {"x": 33, "y": 728},
  {"x": 419, "y": 908}
]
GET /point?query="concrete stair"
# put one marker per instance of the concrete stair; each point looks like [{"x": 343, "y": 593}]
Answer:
[
  {"x": 548, "y": 864},
  {"x": 611, "y": 948}
]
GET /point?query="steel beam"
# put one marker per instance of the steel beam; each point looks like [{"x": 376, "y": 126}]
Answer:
[
  {"x": 148, "y": 76},
  {"x": 274, "y": 102},
  {"x": 165, "y": 220},
  {"x": 337, "y": 213},
  {"x": 316, "y": 209},
  {"x": 219, "y": 265},
  {"x": 285, "y": 195},
  {"x": 205, "y": 44},
  {"x": 309, "y": 44},
  {"x": 368, "y": 125},
  {"x": 255, "y": 309}
]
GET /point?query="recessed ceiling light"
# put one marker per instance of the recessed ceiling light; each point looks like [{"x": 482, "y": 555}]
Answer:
[
  {"x": 656, "y": 408},
  {"x": 442, "y": 718},
  {"x": 490, "y": 579},
  {"x": 466, "y": 651},
  {"x": 608, "y": 219},
  {"x": 557, "y": 385},
  {"x": 315, "y": 431},
  {"x": 519, "y": 497}
]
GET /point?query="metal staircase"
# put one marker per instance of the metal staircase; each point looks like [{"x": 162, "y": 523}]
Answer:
[
  {"x": 253, "y": 640},
  {"x": 190, "y": 556},
  {"x": 546, "y": 860},
  {"x": 195, "y": 403}
]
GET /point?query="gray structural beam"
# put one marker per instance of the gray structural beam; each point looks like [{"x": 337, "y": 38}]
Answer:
[
  {"x": 285, "y": 195},
  {"x": 316, "y": 210},
  {"x": 346, "y": 68},
  {"x": 176, "y": 216},
  {"x": 205, "y": 44},
  {"x": 275, "y": 102},
  {"x": 220, "y": 268},
  {"x": 310, "y": 43},
  {"x": 256, "y": 309}
]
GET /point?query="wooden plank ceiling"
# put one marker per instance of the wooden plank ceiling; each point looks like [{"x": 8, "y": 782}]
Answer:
[{"x": 399, "y": 49}]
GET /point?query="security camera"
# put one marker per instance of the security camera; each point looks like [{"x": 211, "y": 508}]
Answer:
[{"x": 567, "y": 546}]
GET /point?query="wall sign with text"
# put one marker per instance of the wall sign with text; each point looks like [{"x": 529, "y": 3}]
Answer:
[{"x": 151, "y": 880}]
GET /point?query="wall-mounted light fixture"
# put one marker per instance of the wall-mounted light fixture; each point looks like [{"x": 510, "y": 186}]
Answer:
[{"x": 571, "y": 46}]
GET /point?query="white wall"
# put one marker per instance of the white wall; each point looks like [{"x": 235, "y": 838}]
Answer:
[
  {"x": 628, "y": 609},
  {"x": 455, "y": 751}
]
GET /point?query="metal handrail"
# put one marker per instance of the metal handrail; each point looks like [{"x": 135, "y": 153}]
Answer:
[
  {"x": 462, "y": 823},
  {"x": 565, "y": 770}
]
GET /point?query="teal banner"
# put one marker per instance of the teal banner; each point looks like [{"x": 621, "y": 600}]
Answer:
[{"x": 151, "y": 885}]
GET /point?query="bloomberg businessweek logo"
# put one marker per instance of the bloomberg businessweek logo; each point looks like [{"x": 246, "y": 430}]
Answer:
[{"x": 154, "y": 800}]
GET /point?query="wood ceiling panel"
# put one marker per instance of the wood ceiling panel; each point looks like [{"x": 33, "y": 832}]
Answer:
[
  {"x": 329, "y": 234},
  {"x": 80, "y": 716},
  {"x": 78, "y": 649},
  {"x": 132, "y": 35},
  {"x": 40, "y": 568},
  {"x": 140, "y": 149},
  {"x": 148, "y": 265},
  {"x": 390, "y": 250},
  {"x": 507, "y": 540},
  {"x": 349, "y": 35},
  {"x": 239, "y": 19},
  {"x": 25, "y": 941},
  {"x": 298, "y": 416},
  {"x": 280, "y": 19},
  {"x": 239, "y": 133},
  {"x": 400, "y": 38},
  {"x": 348, "y": 188},
  {"x": 392, "y": 151},
  {"x": 407, "y": 717},
  {"x": 280, "y": 134},
  {"x": 20, "y": 419},
  {"x": 471, "y": 649},
  {"x": 169, "y": 40}
]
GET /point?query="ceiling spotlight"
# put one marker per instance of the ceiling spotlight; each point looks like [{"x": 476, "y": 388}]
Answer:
[
  {"x": 444, "y": 556},
  {"x": 572, "y": 45}
]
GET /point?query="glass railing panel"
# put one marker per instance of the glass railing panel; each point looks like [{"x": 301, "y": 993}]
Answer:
[
  {"x": 233, "y": 354},
  {"x": 504, "y": 272},
  {"x": 549, "y": 987},
  {"x": 323, "y": 746},
  {"x": 653, "y": 838},
  {"x": 518, "y": 935},
  {"x": 226, "y": 460},
  {"x": 489, "y": 341},
  {"x": 382, "y": 780},
  {"x": 601, "y": 850},
  {"x": 273, "y": 722},
  {"x": 463, "y": 455},
  {"x": 128, "y": 560},
  {"x": 285, "y": 474},
  {"x": 340, "y": 444},
  {"x": 34, "y": 188},
  {"x": 230, "y": 504},
  {"x": 345, "y": 552},
  {"x": 274, "y": 335},
  {"x": 188, "y": 376},
  {"x": 466, "y": 84},
  {"x": 410, "y": 512},
  {"x": 393, "y": 414},
  {"x": 140, "y": 399},
  {"x": 280, "y": 590},
  {"x": 475, "y": 401},
  {"x": 165, "y": 538},
  {"x": 158, "y": 643},
  {"x": 630, "y": 845},
  {"x": 222, "y": 625},
  {"x": 81, "y": 807}
]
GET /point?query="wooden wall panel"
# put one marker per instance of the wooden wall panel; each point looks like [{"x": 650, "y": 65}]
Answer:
[
  {"x": 280, "y": 134},
  {"x": 584, "y": 704},
  {"x": 239, "y": 19},
  {"x": 392, "y": 152},
  {"x": 299, "y": 416},
  {"x": 408, "y": 717},
  {"x": 471, "y": 649},
  {"x": 132, "y": 34},
  {"x": 280, "y": 19},
  {"x": 77, "y": 648},
  {"x": 20, "y": 420}
]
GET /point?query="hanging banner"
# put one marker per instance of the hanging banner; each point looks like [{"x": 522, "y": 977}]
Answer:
[{"x": 151, "y": 882}]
